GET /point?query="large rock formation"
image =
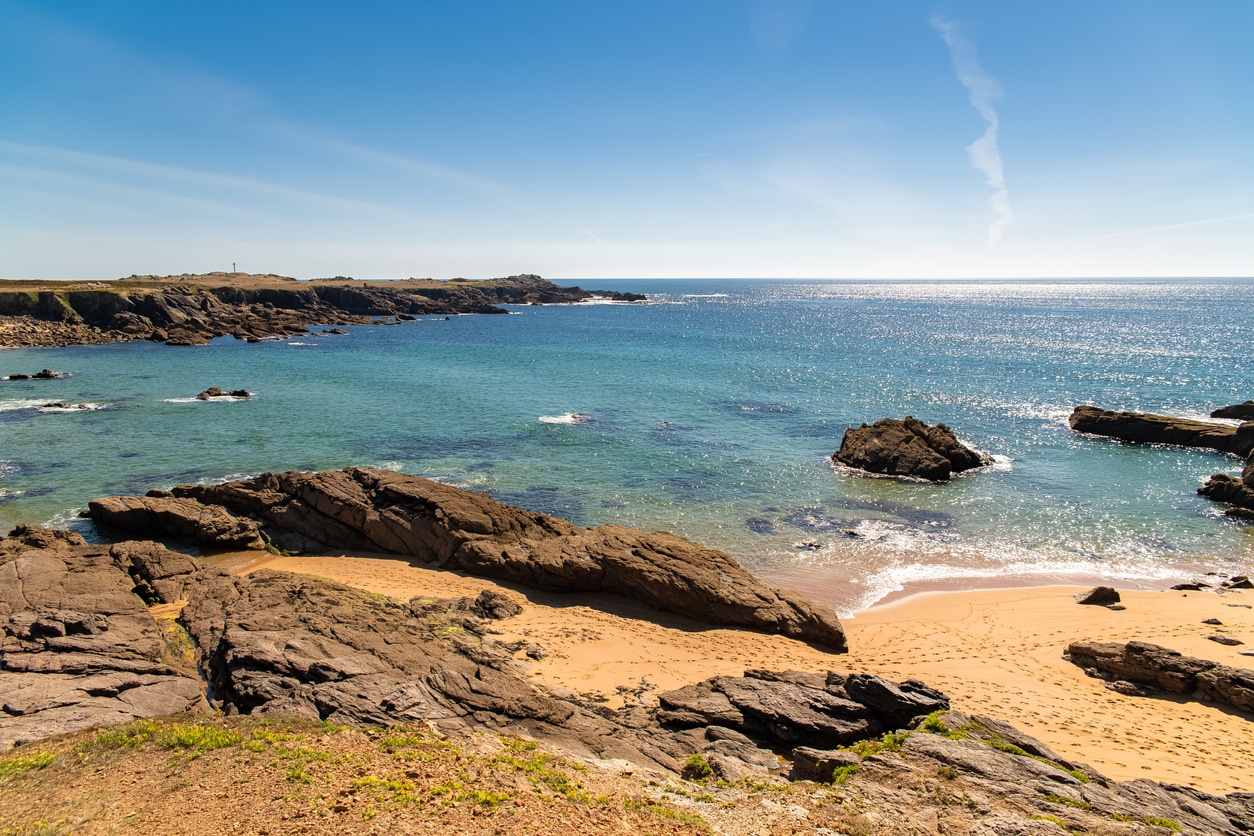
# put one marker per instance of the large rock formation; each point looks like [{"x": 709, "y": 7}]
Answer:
[
  {"x": 178, "y": 518},
  {"x": 1150, "y": 664},
  {"x": 907, "y": 448},
  {"x": 379, "y": 510},
  {"x": 77, "y": 648},
  {"x": 192, "y": 309},
  {"x": 1163, "y": 429}
]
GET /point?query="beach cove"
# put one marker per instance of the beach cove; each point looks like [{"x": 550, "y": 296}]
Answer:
[{"x": 710, "y": 411}]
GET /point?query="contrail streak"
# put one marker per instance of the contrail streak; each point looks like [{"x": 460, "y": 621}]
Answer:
[{"x": 983, "y": 90}]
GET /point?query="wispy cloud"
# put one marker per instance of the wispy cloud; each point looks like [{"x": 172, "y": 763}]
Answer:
[{"x": 983, "y": 90}]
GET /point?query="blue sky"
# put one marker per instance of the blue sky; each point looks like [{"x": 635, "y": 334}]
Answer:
[{"x": 750, "y": 138}]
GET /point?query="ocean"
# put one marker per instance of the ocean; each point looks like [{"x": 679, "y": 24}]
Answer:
[{"x": 712, "y": 412}]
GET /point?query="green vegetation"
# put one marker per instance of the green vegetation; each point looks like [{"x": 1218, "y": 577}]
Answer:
[
  {"x": 932, "y": 724},
  {"x": 1170, "y": 824},
  {"x": 24, "y": 763},
  {"x": 1055, "y": 820},
  {"x": 1068, "y": 802},
  {"x": 697, "y": 768},
  {"x": 660, "y": 811},
  {"x": 538, "y": 768},
  {"x": 890, "y": 742},
  {"x": 841, "y": 774}
]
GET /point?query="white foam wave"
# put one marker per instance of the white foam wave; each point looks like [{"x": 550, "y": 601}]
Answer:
[
  {"x": 215, "y": 399},
  {"x": 565, "y": 418},
  {"x": 704, "y": 296},
  {"x": 74, "y": 407},
  {"x": 25, "y": 403}
]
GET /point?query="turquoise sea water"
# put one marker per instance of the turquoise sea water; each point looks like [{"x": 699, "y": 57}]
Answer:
[{"x": 712, "y": 412}]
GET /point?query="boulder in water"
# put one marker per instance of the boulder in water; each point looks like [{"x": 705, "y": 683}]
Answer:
[{"x": 907, "y": 448}]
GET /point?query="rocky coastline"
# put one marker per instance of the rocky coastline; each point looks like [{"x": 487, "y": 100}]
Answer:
[
  {"x": 193, "y": 309},
  {"x": 80, "y": 651}
]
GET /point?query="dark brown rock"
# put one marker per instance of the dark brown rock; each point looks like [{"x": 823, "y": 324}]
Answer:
[
  {"x": 381, "y": 510},
  {"x": 77, "y": 647},
  {"x": 1163, "y": 429},
  {"x": 809, "y": 764},
  {"x": 215, "y": 392},
  {"x": 907, "y": 448},
  {"x": 177, "y": 518},
  {"x": 1101, "y": 596},
  {"x": 1142, "y": 662},
  {"x": 1240, "y": 411}
]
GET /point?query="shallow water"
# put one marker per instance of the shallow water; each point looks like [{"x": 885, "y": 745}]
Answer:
[{"x": 710, "y": 412}]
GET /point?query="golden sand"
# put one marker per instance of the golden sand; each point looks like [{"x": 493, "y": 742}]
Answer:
[{"x": 996, "y": 652}]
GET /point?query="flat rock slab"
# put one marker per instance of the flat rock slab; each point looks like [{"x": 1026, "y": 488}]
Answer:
[
  {"x": 1149, "y": 428},
  {"x": 1142, "y": 662}
]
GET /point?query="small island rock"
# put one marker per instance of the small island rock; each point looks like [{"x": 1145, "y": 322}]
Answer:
[{"x": 907, "y": 448}]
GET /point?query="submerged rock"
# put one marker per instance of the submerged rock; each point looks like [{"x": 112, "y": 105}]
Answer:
[
  {"x": 907, "y": 448},
  {"x": 1163, "y": 429}
]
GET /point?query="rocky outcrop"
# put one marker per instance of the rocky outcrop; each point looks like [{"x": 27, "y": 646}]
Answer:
[
  {"x": 1163, "y": 429},
  {"x": 784, "y": 710},
  {"x": 77, "y": 648},
  {"x": 278, "y": 643},
  {"x": 1149, "y": 664},
  {"x": 1237, "y": 492},
  {"x": 907, "y": 448},
  {"x": 1239, "y": 411},
  {"x": 178, "y": 518},
  {"x": 191, "y": 310},
  {"x": 384, "y": 511},
  {"x": 215, "y": 392}
]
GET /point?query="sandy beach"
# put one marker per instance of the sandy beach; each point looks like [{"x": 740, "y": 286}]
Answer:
[{"x": 996, "y": 652}]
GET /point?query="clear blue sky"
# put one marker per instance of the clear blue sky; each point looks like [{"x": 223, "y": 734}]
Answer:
[{"x": 637, "y": 139}]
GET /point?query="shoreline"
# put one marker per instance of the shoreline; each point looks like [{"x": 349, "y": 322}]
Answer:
[{"x": 993, "y": 651}]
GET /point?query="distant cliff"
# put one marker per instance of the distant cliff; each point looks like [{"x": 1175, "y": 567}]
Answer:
[{"x": 193, "y": 309}]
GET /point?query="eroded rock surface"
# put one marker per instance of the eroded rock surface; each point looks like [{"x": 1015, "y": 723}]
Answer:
[
  {"x": 907, "y": 448},
  {"x": 78, "y": 648},
  {"x": 1163, "y": 429},
  {"x": 179, "y": 518},
  {"x": 1168, "y": 670},
  {"x": 380, "y": 510}
]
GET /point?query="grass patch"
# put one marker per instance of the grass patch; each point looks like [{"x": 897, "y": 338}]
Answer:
[
  {"x": 539, "y": 768},
  {"x": 1170, "y": 824},
  {"x": 1067, "y": 802},
  {"x": 196, "y": 739},
  {"x": 663, "y": 812},
  {"x": 1055, "y": 820},
  {"x": 697, "y": 768},
  {"x": 841, "y": 774},
  {"x": 890, "y": 742},
  {"x": 35, "y": 828},
  {"x": 24, "y": 763}
]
